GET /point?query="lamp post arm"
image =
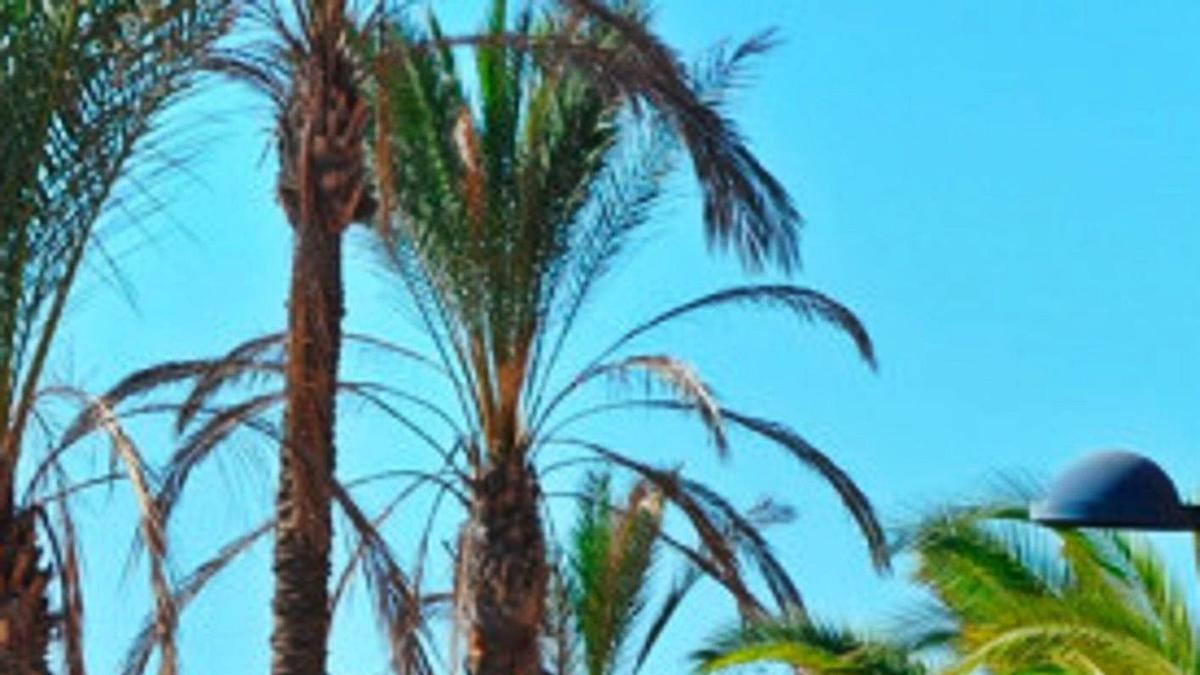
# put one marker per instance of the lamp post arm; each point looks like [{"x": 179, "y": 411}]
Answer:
[{"x": 1192, "y": 512}]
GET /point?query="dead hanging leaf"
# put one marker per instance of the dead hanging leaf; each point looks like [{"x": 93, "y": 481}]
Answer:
[{"x": 466, "y": 141}]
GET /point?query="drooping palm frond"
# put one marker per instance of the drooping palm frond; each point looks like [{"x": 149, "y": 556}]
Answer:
[
  {"x": 746, "y": 208},
  {"x": 808, "y": 647},
  {"x": 1022, "y": 598},
  {"x": 83, "y": 90}
]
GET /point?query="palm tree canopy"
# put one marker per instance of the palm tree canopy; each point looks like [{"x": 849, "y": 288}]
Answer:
[
  {"x": 1017, "y": 598},
  {"x": 502, "y": 216},
  {"x": 1010, "y": 597}
]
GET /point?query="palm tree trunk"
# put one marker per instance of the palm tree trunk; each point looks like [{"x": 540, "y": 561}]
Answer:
[
  {"x": 505, "y": 572},
  {"x": 25, "y": 621},
  {"x": 302, "y": 543},
  {"x": 323, "y": 189}
]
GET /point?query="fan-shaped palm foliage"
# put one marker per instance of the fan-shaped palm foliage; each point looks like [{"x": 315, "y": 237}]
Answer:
[
  {"x": 81, "y": 84},
  {"x": 1010, "y": 598}
]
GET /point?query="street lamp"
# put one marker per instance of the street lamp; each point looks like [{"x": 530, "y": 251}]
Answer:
[{"x": 1115, "y": 490}]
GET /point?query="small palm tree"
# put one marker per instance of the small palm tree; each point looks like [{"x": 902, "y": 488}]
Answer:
[
  {"x": 601, "y": 584},
  {"x": 606, "y": 572},
  {"x": 81, "y": 87}
]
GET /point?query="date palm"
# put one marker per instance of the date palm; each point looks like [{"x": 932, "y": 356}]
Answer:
[
  {"x": 600, "y": 582},
  {"x": 309, "y": 73},
  {"x": 81, "y": 87},
  {"x": 500, "y": 219}
]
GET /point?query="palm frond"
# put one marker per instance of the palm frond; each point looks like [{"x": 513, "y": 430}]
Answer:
[
  {"x": 152, "y": 532},
  {"x": 397, "y": 605},
  {"x": 804, "y": 303},
  {"x": 610, "y": 560},
  {"x": 83, "y": 90},
  {"x": 1023, "y": 598},
  {"x": 678, "y": 376},
  {"x": 142, "y": 648},
  {"x": 811, "y": 648}
]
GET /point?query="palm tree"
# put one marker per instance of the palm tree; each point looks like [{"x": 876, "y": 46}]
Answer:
[
  {"x": 1010, "y": 598},
  {"x": 81, "y": 86},
  {"x": 313, "y": 81},
  {"x": 601, "y": 583},
  {"x": 500, "y": 220}
]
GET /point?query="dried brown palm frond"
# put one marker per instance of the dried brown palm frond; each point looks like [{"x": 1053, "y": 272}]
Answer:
[
  {"x": 420, "y": 479},
  {"x": 152, "y": 531},
  {"x": 398, "y": 605},
  {"x": 681, "y": 378},
  {"x": 248, "y": 358},
  {"x": 142, "y": 648}
]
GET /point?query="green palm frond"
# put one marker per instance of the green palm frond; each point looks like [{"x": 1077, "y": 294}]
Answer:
[
  {"x": 611, "y": 556},
  {"x": 1024, "y": 598},
  {"x": 81, "y": 84},
  {"x": 83, "y": 88},
  {"x": 814, "y": 648}
]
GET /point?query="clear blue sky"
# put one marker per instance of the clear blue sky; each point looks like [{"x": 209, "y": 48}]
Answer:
[{"x": 1004, "y": 191}]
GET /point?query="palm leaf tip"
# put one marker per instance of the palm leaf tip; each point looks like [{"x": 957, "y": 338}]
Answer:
[{"x": 745, "y": 207}]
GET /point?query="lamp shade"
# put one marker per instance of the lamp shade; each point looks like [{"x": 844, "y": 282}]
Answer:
[{"x": 1114, "y": 490}]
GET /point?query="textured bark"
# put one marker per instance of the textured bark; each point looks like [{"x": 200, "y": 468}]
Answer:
[
  {"x": 25, "y": 621},
  {"x": 505, "y": 572},
  {"x": 322, "y": 189},
  {"x": 302, "y": 542}
]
